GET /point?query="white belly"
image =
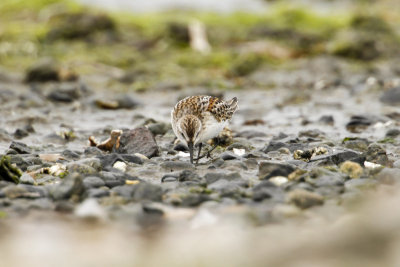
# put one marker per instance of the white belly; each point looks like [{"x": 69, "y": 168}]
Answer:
[{"x": 211, "y": 128}]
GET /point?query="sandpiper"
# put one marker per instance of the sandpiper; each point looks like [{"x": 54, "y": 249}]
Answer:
[{"x": 196, "y": 119}]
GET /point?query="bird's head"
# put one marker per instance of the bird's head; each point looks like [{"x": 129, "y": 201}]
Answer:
[{"x": 189, "y": 128}]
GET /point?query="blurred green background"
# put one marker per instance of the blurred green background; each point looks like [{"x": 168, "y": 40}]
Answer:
[{"x": 147, "y": 48}]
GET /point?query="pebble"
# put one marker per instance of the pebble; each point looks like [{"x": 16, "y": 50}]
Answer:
[
  {"x": 352, "y": 169},
  {"x": 93, "y": 182},
  {"x": 269, "y": 169},
  {"x": 304, "y": 199}
]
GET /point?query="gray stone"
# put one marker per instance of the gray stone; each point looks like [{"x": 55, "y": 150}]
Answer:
[
  {"x": 42, "y": 71},
  {"x": 111, "y": 179},
  {"x": 305, "y": 199},
  {"x": 392, "y": 133},
  {"x": 189, "y": 177},
  {"x": 26, "y": 179},
  {"x": 92, "y": 182},
  {"x": 125, "y": 191},
  {"x": 267, "y": 190},
  {"x": 65, "y": 93},
  {"x": 109, "y": 160},
  {"x": 228, "y": 155},
  {"x": 269, "y": 169},
  {"x": 391, "y": 96},
  {"x": 227, "y": 188},
  {"x": 70, "y": 187},
  {"x": 97, "y": 193},
  {"x": 359, "y": 144},
  {"x": 139, "y": 140},
  {"x": 377, "y": 154},
  {"x": 339, "y": 157},
  {"x": 147, "y": 191},
  {"x": 21, "y": 148}
]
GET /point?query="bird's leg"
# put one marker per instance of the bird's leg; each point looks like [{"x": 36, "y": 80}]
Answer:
[
  {"x": 216, "y": 141},
  {"x": 208, "y": 153},
  {"x": 198, "y": 154}
]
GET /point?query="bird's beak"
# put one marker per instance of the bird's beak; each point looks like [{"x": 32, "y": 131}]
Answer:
[{"x": 190, "y": 146}]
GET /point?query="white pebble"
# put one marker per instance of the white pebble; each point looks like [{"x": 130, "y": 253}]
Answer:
[
  {"x": 239, "y": 151},
  {"x": 278, "y": 180},
  {"x": 371, "y": 165},
  {"x": 120, "y": 166}
]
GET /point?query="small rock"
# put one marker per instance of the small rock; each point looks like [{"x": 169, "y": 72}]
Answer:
[
  {"x": 391, "y": 96},
  {"x": 109, "y": 160},
  {"x": 27, "y": 179},
  {"x": 43, "y": 71},
  {"x": 21, "y": 148},
  {"x": 359, "y": 144},
  {"x": 71, "y": 187},
  {"x": 65, "y": 93},
  {"x": 147, "y": 191},
  {"x": 304, "y": 199},
  {"x": 359, "y": 123},
  {"x": 269, "y": 169},
  {"x": 69, "y": 154},
  {"x": 352, "y": 169},
  {"x": 267, "y": 190},
  {"x": 377, "y": 154},
  {"x": 139, "y": 140},
  {"x": 97, "y": 193},
  {"x": 181, "y": 147},
  {"x": 92, "y": 151},
  {"x": 338, "y": 157},
  {"x": 278, "y": 180},
  {"x": 227, "y": 189},
  {"x": 228, "y": 155},
  {"x": 125, "y": 191},
  {"x": 191, "y": 178},
  {"x": 20, "y": 133},
  {"x": 112, "y": 179},
  {"x": 92, "y": 182},
  {"x": 327, "y": 119},
  {"x": 393, "y": 133}
]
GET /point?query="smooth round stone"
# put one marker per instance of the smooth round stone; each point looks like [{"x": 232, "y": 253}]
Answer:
[{"x": 93, "y": 182}]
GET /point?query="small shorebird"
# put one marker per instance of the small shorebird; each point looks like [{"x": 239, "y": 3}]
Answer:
[{"x": 196, "y": 119}]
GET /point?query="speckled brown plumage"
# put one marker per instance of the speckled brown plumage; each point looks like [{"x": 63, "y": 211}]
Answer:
[
  {"x": 197, "y": 105},
  {"x": 196, "y": 119}
]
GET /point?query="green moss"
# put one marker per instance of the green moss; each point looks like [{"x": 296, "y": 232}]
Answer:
[
  {"x": 387, "y": 140},
  {"x": 8, "y": 171}
]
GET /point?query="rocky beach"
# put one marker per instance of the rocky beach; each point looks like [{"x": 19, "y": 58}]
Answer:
[{"x": 306, "y": 174}]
